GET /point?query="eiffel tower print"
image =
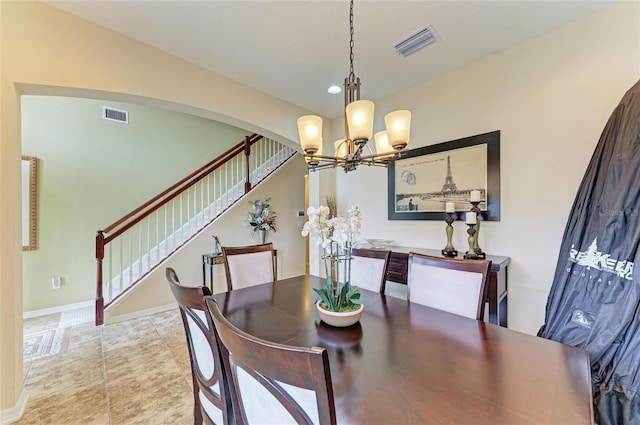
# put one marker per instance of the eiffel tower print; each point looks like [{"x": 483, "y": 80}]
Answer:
[{"x": 449, "y": 186}]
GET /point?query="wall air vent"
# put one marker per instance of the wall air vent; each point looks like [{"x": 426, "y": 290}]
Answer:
[
  {"x": 113, "y": 114},
  {"x": 415, "y": 42}
]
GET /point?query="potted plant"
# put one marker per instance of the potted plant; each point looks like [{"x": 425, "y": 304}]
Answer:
[
  {"x": 262, "y": 218},
  {"x": 339, "y": 302}
]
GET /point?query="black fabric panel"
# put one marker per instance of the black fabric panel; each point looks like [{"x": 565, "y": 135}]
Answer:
[{"x": 595, "y": 295}]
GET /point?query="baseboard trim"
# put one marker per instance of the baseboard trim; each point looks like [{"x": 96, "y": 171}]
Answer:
[
  {"x": 109, "y": 320},
  {"x": 58, "y": 309},
  {"x": 14, "y": 414}
]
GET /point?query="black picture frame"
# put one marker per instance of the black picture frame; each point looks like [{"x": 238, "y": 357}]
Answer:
[{"x": 430, "y": 160}]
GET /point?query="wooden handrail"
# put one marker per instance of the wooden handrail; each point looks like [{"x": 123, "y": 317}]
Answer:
[{"x": 118, "y": 227}]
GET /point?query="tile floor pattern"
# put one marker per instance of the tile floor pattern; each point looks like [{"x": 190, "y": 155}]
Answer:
[{"x": 133, "y": 372}]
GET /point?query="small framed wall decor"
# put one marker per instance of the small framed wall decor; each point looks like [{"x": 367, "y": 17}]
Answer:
[{"x": 29, "y": 199}]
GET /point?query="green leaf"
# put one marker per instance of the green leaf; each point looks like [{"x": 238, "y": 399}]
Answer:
[
  {"x": 323, "y": 297},
  {"x": 344, "y": 296},
  {"x": 354, "y": 297}
]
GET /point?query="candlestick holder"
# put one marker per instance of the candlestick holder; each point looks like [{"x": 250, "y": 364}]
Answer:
[
  {"x": 449, "y": 250},
  {"x": 472, "y": 254},
  {"x": 476, "y": 246}
]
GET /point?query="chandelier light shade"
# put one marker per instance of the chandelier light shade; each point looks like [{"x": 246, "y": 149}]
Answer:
[
  {"x": 358, "y": 116},
  {"x": 383, "y": 148},
  {"x": 310, "y": 132},
  {"x": 398, "y": 124},
  {"x": 342, "y": 148},
  {"x": 360, "y": 120}
]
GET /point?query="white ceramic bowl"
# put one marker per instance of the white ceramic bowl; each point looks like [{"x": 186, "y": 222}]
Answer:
[
  {"x": 379, "y": 243},
  {"x": 339, "y": 320}
]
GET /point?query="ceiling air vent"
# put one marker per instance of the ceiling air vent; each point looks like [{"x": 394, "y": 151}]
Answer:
[
  {"x": 113, "y": 114},
  {"x": 415, "y": 42}
]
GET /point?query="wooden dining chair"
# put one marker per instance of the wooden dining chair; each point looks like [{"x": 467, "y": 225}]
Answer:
[
  {"x": 212, "y": 401},
  {"x": 453, "y": 285},
  {"x": 248, "y": 265},
  {"x": 369, "y": 268},
  {"x": 274, "y": 383},
  {"x": 172, "y": 276}
]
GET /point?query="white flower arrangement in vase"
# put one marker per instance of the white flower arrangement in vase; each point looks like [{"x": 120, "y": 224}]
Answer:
[{"x": 336, "y": 236}]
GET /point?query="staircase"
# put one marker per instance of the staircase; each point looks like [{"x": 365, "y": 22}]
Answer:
[{"x": 135, "y": 245}]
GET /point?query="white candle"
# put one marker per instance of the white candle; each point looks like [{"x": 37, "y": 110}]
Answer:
[
  {"x": 475, "y": 196},
  {"x": 450, "y": 207},
  {"x": 471, "y": 218}
]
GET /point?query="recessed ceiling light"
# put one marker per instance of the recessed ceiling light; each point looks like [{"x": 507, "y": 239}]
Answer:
[{"x": 334, "y": 89}]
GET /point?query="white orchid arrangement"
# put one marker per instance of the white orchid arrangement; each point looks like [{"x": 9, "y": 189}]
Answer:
[
  {"x": 344, "y": 231},
  {"x": 336, "y": 235}
]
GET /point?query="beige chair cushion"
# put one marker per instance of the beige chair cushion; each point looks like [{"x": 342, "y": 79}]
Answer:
[
  {"x": 205, "y": 362},
  {"x": 366, "y": 273},
  {"x": 454, "y": 291},
  {"x": 251, "y": 269},
  {"x": 262, "y": 407}
]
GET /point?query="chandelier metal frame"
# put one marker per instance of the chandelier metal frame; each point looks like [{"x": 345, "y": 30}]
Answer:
[{"x": 350, "y": 153}]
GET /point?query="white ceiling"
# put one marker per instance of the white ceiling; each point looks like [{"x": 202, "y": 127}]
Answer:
[{"x": 295, "y": 49}]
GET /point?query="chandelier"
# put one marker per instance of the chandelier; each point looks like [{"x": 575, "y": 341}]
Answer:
[{"x": 358, "y": 128}]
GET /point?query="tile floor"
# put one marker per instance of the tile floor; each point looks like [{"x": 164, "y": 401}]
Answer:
[{"x": 133, "y": 372}]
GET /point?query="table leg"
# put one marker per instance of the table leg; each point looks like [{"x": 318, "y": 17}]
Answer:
[{"x": 211, "y": 277}]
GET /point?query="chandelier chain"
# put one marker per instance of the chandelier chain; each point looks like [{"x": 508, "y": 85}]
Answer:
[{"x": 351, "y": 72}]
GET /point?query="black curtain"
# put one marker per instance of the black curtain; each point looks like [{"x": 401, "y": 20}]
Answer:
[{"x": 594, "y": 298}]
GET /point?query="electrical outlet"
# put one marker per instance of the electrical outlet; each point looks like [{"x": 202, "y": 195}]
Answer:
[{"x": 55, "y": 282}]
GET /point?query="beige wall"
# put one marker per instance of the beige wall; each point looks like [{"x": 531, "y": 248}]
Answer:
[
  {"x": 11, "y": 389},
  {"x": 550, "y": 98}
]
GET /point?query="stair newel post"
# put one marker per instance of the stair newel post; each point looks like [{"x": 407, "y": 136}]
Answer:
[
  {"x": 247, "y": 154},
  {"x": 99, "y": 295}
]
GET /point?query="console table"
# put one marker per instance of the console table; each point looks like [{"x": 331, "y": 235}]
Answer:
[
  {"x": 208, "y": 261},
  {"x": 498, "y": 279}
]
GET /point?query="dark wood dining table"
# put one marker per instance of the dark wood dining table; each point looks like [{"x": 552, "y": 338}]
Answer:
[{"x": 405, "y": 363}]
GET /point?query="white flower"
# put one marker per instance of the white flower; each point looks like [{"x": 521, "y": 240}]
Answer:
[{"x": 344, "y": 231}]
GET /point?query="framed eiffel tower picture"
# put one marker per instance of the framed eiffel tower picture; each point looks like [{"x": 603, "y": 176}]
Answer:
[{"x": 423, "y": 180}]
